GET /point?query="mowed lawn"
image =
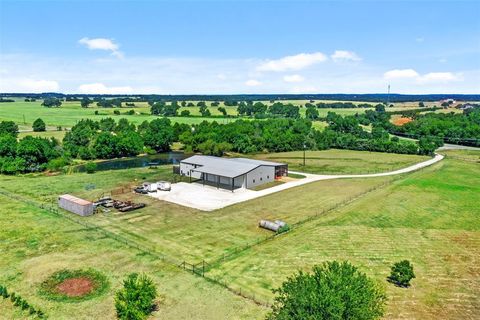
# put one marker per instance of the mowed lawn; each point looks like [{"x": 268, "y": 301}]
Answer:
[
  {"x": 430, "y": 217},
  {"x": 343, "y": 161},
  {"x": 36, "y": 243}
]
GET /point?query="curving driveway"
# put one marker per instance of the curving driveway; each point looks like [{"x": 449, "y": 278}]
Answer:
[{"x": 208, "y": 198}]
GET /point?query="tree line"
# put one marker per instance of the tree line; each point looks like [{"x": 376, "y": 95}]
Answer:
[
  {"x": 107, "y": 139},
  {"x": 458, "y": 128}
]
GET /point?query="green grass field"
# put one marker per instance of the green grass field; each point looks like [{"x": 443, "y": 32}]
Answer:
[
  {"x": 342, "y": 161},
  {"x": 429, "y": 217},
  {"x": 36, "y": 243},
  {"x": 25, "y": 113}
]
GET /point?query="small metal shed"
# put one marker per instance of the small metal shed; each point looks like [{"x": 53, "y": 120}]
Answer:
[{"x": 75, "y": 205}]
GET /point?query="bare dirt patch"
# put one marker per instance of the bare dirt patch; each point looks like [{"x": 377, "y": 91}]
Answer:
[
  {"x": 76, "y": 287},
  {"x": 402, "y": 121}
]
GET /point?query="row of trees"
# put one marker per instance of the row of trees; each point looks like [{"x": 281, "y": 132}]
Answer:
[
  {"x": 463, "y": 128},
  {"x": 106, "y": 139}
]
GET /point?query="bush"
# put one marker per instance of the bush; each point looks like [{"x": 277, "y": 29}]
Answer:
[
  {"x": 90, "y": 167},
  {"x": 57, "y": 164},
  {"x": 116, "y": 112},
  {"x": 401, "y": 274},
  {"x": 38, "y": 125},
  {"x": 135, "y": 301},
  {"x": 335, "y": 290}
]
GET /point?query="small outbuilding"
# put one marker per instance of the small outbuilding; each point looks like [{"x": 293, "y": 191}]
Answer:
[{"x": 75, "y": 205}]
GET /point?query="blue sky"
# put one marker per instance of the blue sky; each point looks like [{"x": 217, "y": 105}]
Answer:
[{"x": 240, "y": 46}]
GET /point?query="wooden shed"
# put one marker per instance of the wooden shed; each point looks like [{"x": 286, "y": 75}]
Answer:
[{"x": 75, "y": 205}]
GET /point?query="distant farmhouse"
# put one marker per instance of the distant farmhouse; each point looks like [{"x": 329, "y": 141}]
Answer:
[{"x": 232, "y": 173}]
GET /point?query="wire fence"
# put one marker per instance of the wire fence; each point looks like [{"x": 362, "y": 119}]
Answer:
[{"x": 199, "y": 269}]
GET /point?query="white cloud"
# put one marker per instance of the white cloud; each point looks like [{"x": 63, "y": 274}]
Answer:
[
  {"x": 440, "y": 77},
  {"x": 252, "y": 83},
  {"x": 301, "y": 90},
  {"x": 102, "y": 44},
  {"x": 100, "y": 88},
  {"x": 28, "y": 85},
  {"x": 296, "y": 62},
  {"x": 293, "y": 78},
  {"x": 221, "y": 76},
  {"x": 400, "y": 73},
  {"x": 343, "y": 55},
  {"x": 419, "y": 39}
]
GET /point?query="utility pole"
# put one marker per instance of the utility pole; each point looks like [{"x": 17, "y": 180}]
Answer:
[{"x": 304, "y": 147}]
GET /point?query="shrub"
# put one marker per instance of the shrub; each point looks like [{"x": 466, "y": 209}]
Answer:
[
  {"x": 135, "y": 301},
  {"x": 401, "y": 274},
  {"x": 38, "y": 125},
  {"x": 116, "y": 112},
  {"x": 90, "y": 167},
  {"x": 335, "y": 290},
  {"x": 57, "y": 164}
]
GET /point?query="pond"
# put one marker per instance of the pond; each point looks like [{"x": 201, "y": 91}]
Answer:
[{"x": 137, "y": 162}]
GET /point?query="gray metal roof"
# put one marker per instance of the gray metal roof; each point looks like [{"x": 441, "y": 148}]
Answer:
[
  {"x": 258, "y": 162},
  {"x": 225, "y": 167}
]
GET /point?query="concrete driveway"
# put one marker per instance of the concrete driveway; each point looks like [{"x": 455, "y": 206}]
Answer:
[{"x": 208, "y": 198}]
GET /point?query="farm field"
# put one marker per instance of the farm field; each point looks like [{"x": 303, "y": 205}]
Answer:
[
  {"x": 336, "y": 161},
  {"x": 24, "y": 113},
  {"x": 71, "y": 112},
  {"x": 44, "y": 134},
  {"x": 36, "y": 243},
  {"x": 429, "y": 217}
]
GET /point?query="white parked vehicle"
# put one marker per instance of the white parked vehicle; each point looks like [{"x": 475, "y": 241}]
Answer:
[
  {"x": 150, "y": 187},
  {"x": 164, "y": 186}
]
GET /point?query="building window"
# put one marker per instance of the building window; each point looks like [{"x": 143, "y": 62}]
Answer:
[
  {"x": 268, "y": 177},
  {"x": 253, "y": 180},
  {"x": 261, "y": 179}
]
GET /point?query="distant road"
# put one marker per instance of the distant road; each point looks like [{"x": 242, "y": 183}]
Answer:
[{"x": 448, "y": 146}]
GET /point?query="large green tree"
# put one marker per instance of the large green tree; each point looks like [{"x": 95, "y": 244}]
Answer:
[
  {"x": 334, "y": 290},
  {"x": 159, "y": 135}
]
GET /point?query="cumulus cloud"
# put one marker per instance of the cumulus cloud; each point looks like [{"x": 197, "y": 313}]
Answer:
[
  {"x": 400, "y": 74},
  {"x": 440, "y": 77},
  {"x": 29, "y": 85},
  {"x": 343, "y": 55},
  {"x": 293, "y": 78},
  {"x": 100, "y": 88},
  {"x": 432, "y": 77},
  {"x": 252, "y": 83},
  {"x": 296, "y": 62},
  {"x": 101, "y": 44}
]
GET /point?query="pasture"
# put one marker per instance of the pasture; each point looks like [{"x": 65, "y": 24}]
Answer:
[
  {"x": 429, "y": 217},
  {"x": 335, "y": 161},
  {"x": 25, "y": 113},
  {"x": 36, "y": 243}
]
